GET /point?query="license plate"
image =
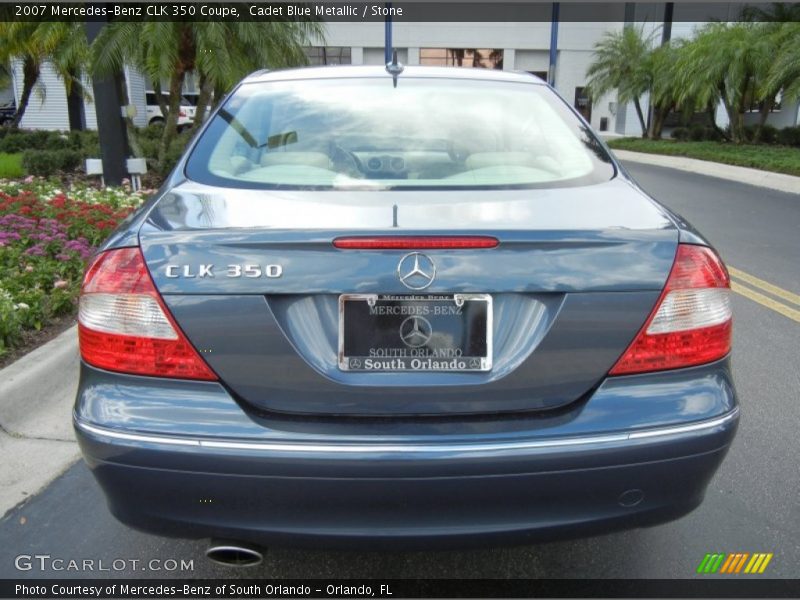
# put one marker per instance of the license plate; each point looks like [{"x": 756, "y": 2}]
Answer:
[{"x": 415, "y": 333}]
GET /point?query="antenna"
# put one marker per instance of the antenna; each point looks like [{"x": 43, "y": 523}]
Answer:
[{"x": 394, "y": 68}]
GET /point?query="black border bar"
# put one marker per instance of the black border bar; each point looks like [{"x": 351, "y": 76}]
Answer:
[
  {"x": 702, "y": 587},
  {"x": 371, "y": 11}
]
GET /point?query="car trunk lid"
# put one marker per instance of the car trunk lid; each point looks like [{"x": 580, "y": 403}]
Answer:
[{"x": 254, "y": 280}]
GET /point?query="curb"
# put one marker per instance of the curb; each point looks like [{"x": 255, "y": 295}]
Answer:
[
  {"x": 36, "y": 439},
  {"x": 765, "y": 179}
]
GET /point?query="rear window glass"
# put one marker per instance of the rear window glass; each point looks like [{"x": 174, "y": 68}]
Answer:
[{"x": 424, "y": 134}]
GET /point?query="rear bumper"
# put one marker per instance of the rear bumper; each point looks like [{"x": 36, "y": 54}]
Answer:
[
  {"x": 290, "y": 488},
  {"x": 234, "y": 493}
]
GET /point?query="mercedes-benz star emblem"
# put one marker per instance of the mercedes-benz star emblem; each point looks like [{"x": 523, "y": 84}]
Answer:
[
  {"x": 416, "y": 271},
  {"x": 415, "y": 331}
]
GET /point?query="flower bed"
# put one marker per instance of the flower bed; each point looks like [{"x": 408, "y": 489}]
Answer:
[{"x": 46, "y": 237}]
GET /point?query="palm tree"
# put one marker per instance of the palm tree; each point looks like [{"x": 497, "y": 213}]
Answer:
[
  {"x": 780, "y": 25},
  {"x": 67, "y": 49},
  {"x": 61, "y": 44},
  {"x": 620, "y": 62},
  {"x": 221, "y": 53},
  {"x": 660, "y": 68},
  {"x": 17, "y": 43},
  {"x": 725, "y": 62},
  {"x": 784, "y": 73}
]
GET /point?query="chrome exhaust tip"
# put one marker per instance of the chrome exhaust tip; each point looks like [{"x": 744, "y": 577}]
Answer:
[{"x": 234, "y": 554}]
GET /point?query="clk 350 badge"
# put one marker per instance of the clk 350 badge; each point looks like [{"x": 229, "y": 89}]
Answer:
[{"x": 250, "y": 271}]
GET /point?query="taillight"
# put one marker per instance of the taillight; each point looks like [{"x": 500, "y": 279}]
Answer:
[
  {"x": 123, "y": 325},
  {"x": 691, "y": 323}
]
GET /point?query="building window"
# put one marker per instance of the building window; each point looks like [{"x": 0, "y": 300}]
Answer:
[
  {"x": 479, "y": 58},
  {"x": 757, "y": 106},
  {"x": 330, "y": 55},
  {"x": 583, "y": 103}
]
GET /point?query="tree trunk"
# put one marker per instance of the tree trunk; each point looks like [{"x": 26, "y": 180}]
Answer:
[
  {"x": 763, "y": 115},
  {"x": 171, "y": 122},
  {"x": 641, "y": 116},
  {"x": 30, "y": 74},
  {"x": 75, "y": 107},
  {"x": 736, "y": 113},
  {"x": 162, "y": 104},
  {"x": 711, "y": 110},
  {"x": 185, "y": 64},
  {"x": 657, "y": 122},
  {"x": 219, "y": 96},
  {"x": 736, "y": 134},
  {"x": 203, "y": 100}
]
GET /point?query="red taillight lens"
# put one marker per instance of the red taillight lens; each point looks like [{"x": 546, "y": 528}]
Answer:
[
  {"x": 393, "y": 242},
  {"x": 123, "y": 325},
  {"x": 691, "y": 323}
]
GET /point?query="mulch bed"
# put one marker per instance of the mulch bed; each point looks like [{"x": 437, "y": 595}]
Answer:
[{"x": 32, "y": 339}]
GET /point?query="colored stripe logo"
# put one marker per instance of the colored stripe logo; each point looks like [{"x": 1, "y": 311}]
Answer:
[{"x": 734, "y": 563}]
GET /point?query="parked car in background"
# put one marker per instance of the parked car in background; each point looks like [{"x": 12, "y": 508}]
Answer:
[
  {"x": 154, "y": 114},
  {"x": 402, "y": 309},
  {"x": 7, "y": 112}
]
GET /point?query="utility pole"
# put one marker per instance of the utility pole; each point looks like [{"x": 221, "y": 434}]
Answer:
[
  {"x": 666, "y": 32},
  {"x": 110, "y": 123},
  {"x": 666, "y": 35},
  {"x": 551, "y": 71}
]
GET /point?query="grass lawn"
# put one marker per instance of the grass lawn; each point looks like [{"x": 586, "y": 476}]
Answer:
[
  {"x": 780, "y": 159},
  {"x": 11, "y": 166}
]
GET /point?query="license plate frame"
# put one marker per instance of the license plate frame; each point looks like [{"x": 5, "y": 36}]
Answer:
[{"x": 419, "y": 360}]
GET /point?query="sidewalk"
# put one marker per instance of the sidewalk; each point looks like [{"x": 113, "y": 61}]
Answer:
[
  {"x": 765, "y": 179},
  {"x": 36, "y": 440}
]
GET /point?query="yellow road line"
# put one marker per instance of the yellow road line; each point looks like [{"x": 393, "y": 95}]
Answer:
[
  {"x": 763, "y": 300},
  {"x": 765, "y": 286}
]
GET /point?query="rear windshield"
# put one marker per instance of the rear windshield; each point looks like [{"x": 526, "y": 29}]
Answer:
[{"x": 424, "y": 134}]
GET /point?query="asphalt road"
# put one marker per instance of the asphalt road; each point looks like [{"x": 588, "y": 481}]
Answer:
[{"x": 752, "y": 505}]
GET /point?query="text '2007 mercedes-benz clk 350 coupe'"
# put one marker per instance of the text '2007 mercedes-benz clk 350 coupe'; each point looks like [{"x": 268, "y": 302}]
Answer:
[{"x": 401, "y": 308}]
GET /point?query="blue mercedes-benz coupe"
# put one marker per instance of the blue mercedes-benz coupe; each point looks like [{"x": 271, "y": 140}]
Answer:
[{"x": 394, "y": 307}]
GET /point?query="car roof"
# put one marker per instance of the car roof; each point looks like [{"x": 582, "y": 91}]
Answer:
[{"x": 369, "y": 71}]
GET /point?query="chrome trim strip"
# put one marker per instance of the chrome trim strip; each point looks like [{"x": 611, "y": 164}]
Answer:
[{"x": 379, "y": 448}]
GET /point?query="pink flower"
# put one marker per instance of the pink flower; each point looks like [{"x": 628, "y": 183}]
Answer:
[
  {"x": 60, "y": 284},
  {"x": 29, "y": 179}
]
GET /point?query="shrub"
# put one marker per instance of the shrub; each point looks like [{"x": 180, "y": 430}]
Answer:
[
  {"x": 713, "y": 134},
  {"x": 788, "y": 136},
  {"x": 680, "y": 133},
  {"x": 152, "y": 132},
  {"x": 768, "y": 134},
  {"x": 149, "y": 140},
  {"x": 176, "y": 148},
  {"x": 697, "y": 133},
  {"x": 22, "y": 140},
  {"x": 48, "y": 162},
  {"x": 85, "y": 142},
  {"x": 73, "y": 148}
]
